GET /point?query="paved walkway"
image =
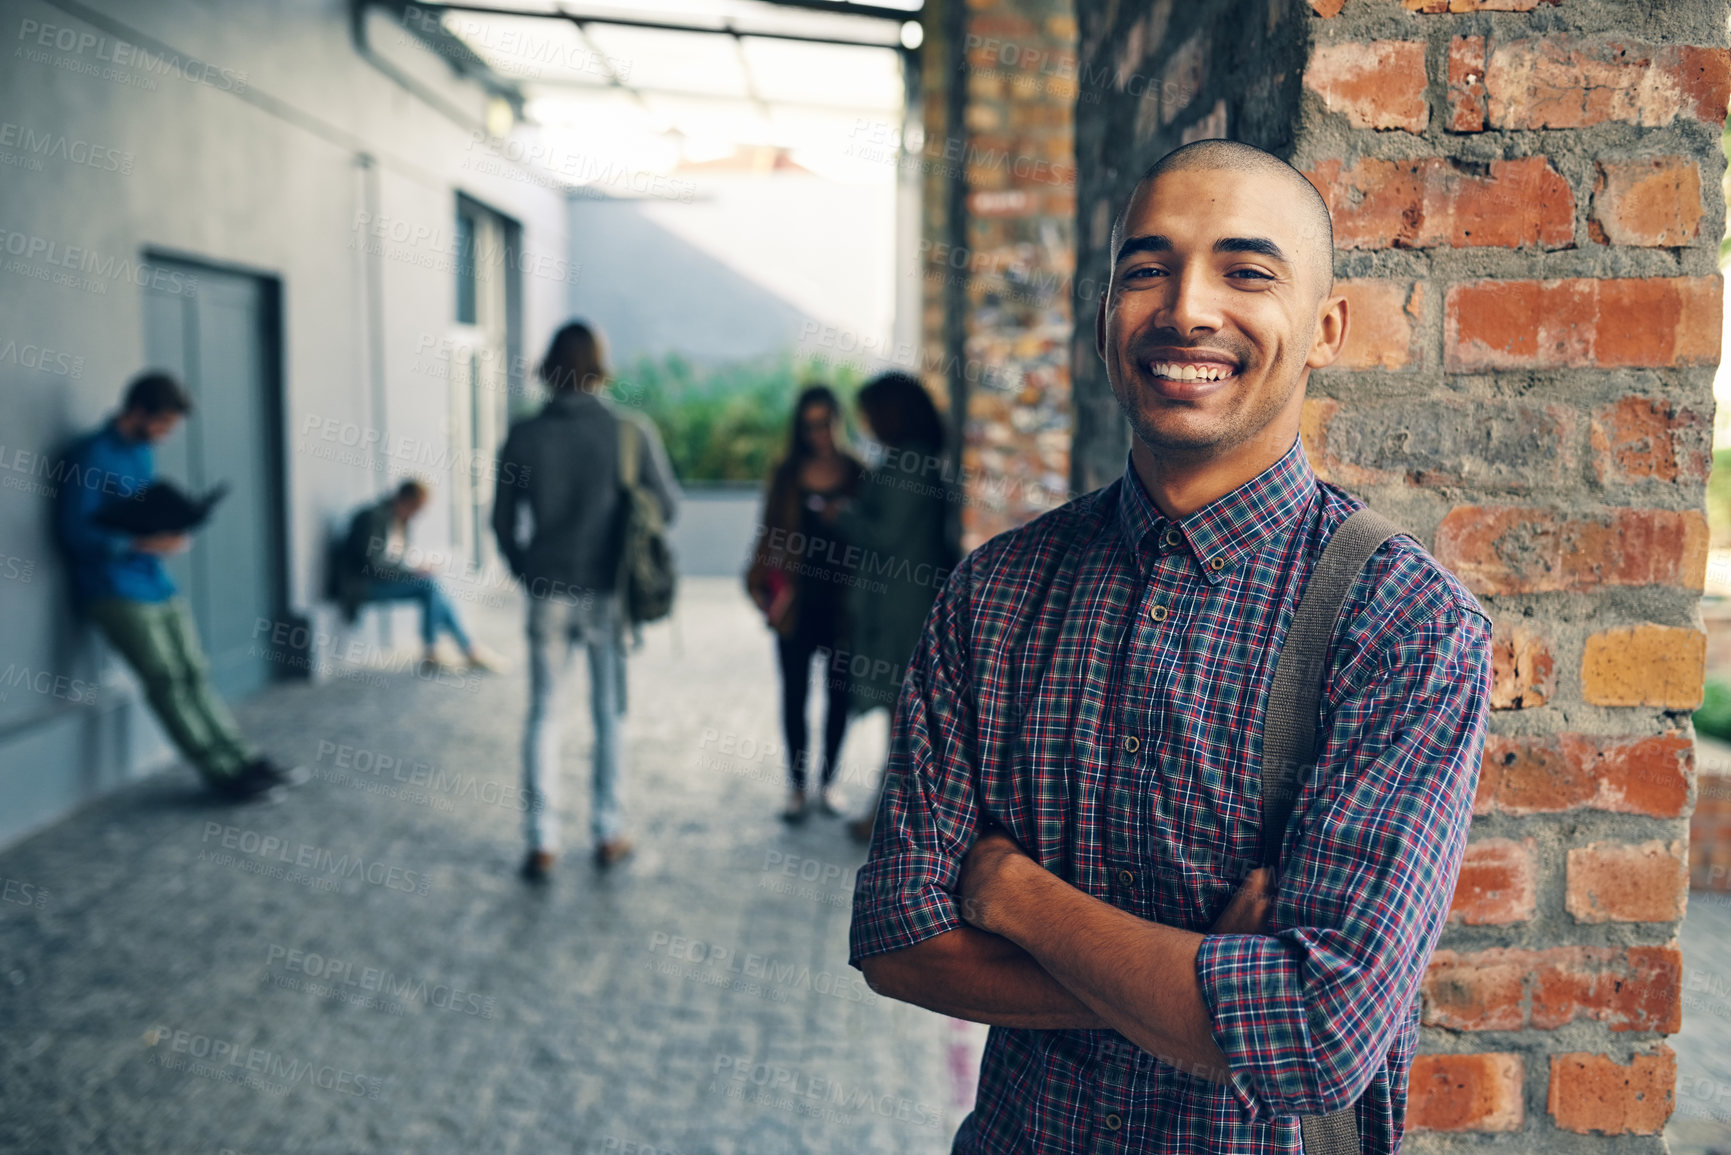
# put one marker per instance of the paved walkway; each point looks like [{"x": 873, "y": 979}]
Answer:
[
  {"x": 1701, "y": 1124},
  {"x": 359, "y": 970}
]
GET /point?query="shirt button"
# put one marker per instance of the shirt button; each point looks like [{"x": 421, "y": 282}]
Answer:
[
  {"x": 1216, "y": 564},
  {"x": 1112, "y": 1122},
  {"x": 1131, "y": 745},
  {"x": 1173, "y": 537},
  {"x": 1127, "y": 877},
  {"x": 1157, "y": 613}
]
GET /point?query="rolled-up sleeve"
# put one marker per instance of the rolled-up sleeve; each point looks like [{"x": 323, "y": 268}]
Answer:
[
  {"x": 926, "y": 819},
  {"x": 1305, "y": 1018}
]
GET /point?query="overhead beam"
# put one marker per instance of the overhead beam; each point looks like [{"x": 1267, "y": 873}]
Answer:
[{"x": 726, "y": 28}]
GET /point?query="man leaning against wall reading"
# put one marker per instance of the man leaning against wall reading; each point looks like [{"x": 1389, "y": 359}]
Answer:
[
  {"x": 120, "y": 584},
  {"x": 1071, "y": 845}
]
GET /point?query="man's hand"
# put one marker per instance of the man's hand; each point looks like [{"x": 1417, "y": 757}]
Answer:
[
  {"x": 1251, "y": 908},
  {"x": 161, "y": 543},
  {"x": 988, "y": 875}
]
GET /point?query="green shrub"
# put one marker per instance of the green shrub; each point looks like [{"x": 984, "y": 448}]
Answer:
[
  {"x": 727, "y": 422},
  {"x": 1714, "y": 717}
]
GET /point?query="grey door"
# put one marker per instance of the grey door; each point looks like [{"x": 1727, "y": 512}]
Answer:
[{"x": 217, "y": 333}]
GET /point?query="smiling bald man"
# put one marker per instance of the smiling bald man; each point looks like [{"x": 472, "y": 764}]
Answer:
[{"x": 1070, "y": 838}]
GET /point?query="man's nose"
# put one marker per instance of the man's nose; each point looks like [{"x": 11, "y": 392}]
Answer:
[{"x": 1191, "y": 304}]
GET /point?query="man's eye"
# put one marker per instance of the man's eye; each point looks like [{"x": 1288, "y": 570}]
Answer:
[
  {"x": 1254, "y": 274},
  {"x": 1144, "y": 272}
]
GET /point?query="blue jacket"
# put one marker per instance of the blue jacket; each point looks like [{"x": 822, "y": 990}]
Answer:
[{"x": 99, "y": 468}]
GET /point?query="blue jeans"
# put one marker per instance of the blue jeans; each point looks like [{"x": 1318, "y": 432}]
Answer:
[
  {"x": 556, "y": 627},
  {"x": 437, "y": 612}
]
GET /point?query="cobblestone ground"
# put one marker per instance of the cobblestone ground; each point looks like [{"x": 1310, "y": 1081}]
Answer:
[
  {"x": 1701, "y": 1124},
  {"x": 358, "y": 969}
]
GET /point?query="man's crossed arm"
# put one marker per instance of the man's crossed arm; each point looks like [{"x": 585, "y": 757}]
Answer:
[{"x": 1042, "y": 955}]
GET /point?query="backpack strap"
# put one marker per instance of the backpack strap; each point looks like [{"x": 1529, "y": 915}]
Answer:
[
  {"x": 1289, "y": 737},
  {"x": 1289, "y": 726},
  {"x": 627, "y": 453}
]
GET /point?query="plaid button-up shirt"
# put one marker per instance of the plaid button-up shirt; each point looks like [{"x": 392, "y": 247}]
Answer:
[{"x": 1095, "y": 683}]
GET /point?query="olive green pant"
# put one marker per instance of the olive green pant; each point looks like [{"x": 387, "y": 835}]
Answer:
[{"x": 158, "y": 641}]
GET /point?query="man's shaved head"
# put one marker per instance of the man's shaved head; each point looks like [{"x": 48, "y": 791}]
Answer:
[{"x": 1236, "y": 156}]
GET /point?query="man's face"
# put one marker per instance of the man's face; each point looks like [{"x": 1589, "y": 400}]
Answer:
[
  {"x": 1212, "y": 316},
  {"x": 151, "y": 428},
  {"x": 409, "y": 504}
]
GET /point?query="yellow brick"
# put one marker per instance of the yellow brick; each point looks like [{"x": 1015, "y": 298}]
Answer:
[{"x": 1645, "y": 665}]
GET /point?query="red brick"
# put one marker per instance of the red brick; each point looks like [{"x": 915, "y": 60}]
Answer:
[
  {"x": 1640, "y": 438},
  {"x": 1628, "y": 989},
  {"x": 1380, "y": 320},
  {"x": 1566, "y": 81},
  {"x": 1643, "y": 775},
  {"x": 1476, "y": 992},
  {"x": 1582, "y": 322},
  {"x": 1510, "y": 549},
  {"x": 1496, "y": 883},
  {"x": 1626, "y": 882},
  {"x": 1438, "y": 201},
  {"x": 1596, "y": 1093},
  {"x": 1645, "y": 665},
  {"x": 1327, "y": 9},
  {"x": 1467, "y": 84},
  {"x": 1474, "y": 1092},
  {"x": 1654, "y": 202},
  {"x": 1523, "y": 672},
  {"x": 1376, "y": 84},
  {"x": 1642, "y": 991}
]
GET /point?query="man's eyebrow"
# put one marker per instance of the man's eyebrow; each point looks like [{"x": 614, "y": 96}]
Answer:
[
  {"x": 1147, "y": 243},
  {"x": 1261, "y": 245}
]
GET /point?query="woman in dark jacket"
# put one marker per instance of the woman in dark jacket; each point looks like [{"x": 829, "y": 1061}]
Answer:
[
  {"x": 900, "y": 524},
  {"x": 796, "y": 580}
]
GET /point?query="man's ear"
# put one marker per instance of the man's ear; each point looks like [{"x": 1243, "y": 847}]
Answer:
[{"x": 1331, "y": 325}]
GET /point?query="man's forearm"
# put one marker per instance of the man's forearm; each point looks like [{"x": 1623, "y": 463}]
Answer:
[
  {"x": 969, "y": 974},
  {"x": 1138, "y": 976}
]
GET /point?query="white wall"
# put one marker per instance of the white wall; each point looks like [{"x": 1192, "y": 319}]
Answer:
[{"x": 262, "y": 163}]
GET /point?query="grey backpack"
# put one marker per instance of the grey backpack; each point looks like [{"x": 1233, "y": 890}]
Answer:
[{"x": 647, "y": 573}]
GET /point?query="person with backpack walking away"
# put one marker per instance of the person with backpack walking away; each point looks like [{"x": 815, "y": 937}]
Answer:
[{"x": 596, "y": 489}]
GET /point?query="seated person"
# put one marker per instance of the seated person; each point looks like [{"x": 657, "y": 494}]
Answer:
[{"x": 371, "y": 569}]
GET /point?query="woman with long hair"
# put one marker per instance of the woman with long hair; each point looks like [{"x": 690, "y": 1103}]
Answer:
[
  {"x": 900, "y": 524},
  {"x": 796, "y": 581}
]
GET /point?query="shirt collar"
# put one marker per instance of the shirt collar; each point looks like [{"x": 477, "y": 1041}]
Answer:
[
  {"x": 571, "y": 401},
  {"x": 1228, "y": 529}
]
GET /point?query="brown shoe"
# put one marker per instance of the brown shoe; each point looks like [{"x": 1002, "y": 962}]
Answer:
[
  {"x": 538, "y": 866},
  {"x": 612, "y": 851},
  {"x": 861, "y": 828}
]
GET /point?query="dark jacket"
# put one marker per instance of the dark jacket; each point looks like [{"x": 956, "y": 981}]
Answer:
[
  {"x": 361, "y": 559},
  {"x": 777, "y": 568},
  {"x": 899, "y": 523},
  {"x": 561, "y": 469}
]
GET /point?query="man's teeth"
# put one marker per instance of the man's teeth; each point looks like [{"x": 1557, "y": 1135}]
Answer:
[{"x": 1178, "y": 371}]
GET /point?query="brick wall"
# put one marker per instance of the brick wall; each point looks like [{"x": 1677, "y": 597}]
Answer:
[
  {"x": 1527, "y": 213},
  {"x": 997, "y": 250}
]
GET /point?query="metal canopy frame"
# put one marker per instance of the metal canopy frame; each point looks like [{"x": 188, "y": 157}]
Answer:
[{"x": 727, "y": 26}]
